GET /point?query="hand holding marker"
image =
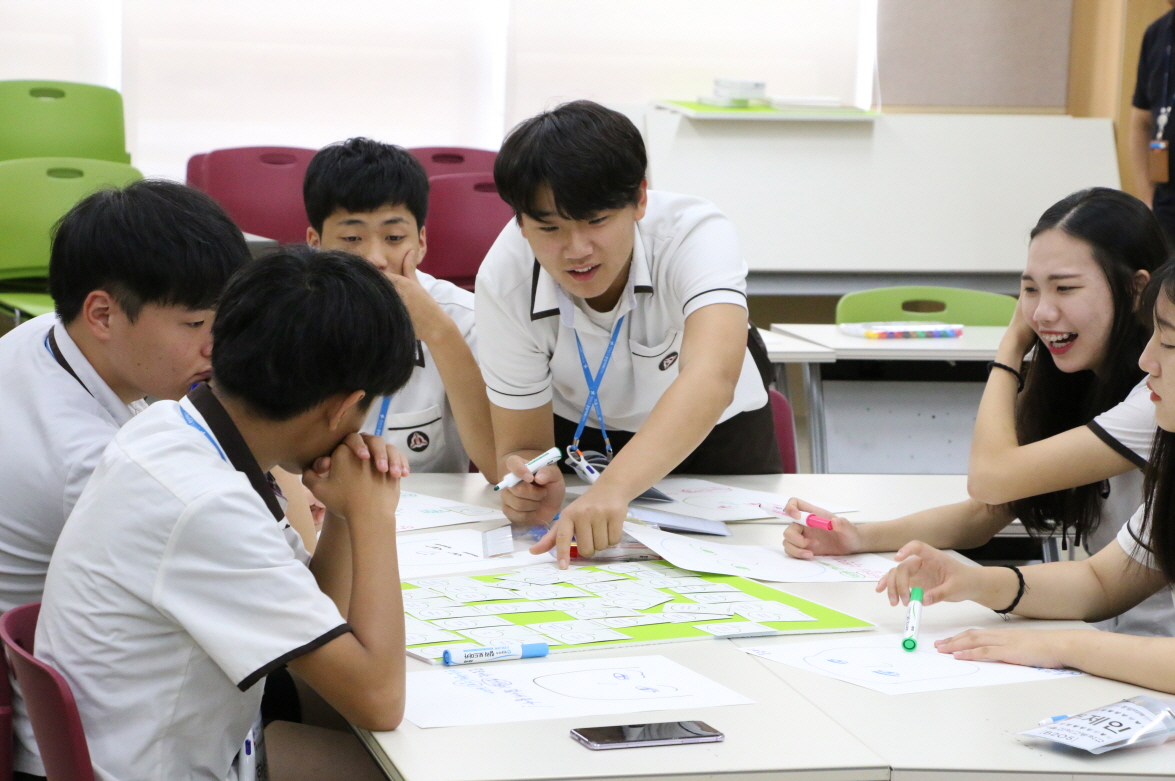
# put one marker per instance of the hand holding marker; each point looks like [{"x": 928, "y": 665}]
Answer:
[
  {"x": 805, "y": 519},
  {"x": 913, "y": 619},
  {"x": 536, "y": 463}
]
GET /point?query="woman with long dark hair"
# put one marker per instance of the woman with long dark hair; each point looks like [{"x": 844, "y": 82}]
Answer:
[
  {"x": 1134, "y": 566},
  {"x": 1058, "y": 439}
]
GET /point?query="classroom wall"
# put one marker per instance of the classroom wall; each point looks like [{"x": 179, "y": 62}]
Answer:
[{"x": 1005, "y": 55}]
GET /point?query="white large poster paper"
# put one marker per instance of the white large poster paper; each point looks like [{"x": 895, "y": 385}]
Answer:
[
  {"x": 714, "y": 501},
  {"x": 418, "y": 511},
  {"x": 756, "y": 561},
  {"x": 878, "y": 662},
  {"x": 505, "y": 692}
]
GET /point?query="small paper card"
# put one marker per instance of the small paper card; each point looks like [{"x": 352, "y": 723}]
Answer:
[
  {"x": 770, "y": 611},
  {"x": 645, "y": 619},
  {"x": 681, "y": 607},
  {"x": 433, "y": 613},
  {"x": 636, "y": 601},
  {"x": 600, "y": 612},
  {"x": 737, "y": 629},
  {"x": 718, "y": 599},
  {"x": 424, "y": 604},
  {"x": 430, "y": 635},
  {"x": 552, "y": 592},
  {"x": 568, "y": 604},
  {"x": 577, "y": 632},
  {"x": 493, "y": 634},
  {"x": 689, "y": 618},
  {"x": 705, "y": 588},
  {"x": 476, "y": 622},
  {"x": 507, "y": 608},
  {"x": 481, "y": 593}
]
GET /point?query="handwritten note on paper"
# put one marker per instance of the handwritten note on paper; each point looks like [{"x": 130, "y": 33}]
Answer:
[
  {"x": 417, "y": 511},
  {"x": 510, "y": 691},
  {"x": 758, "y": 562},
  {"x": 716, "y": 502},
  {"x": 878, "y": 662}
]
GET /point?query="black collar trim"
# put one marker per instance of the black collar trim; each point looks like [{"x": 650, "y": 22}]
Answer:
[
  {"x": 234, "y": 446},
  {"x": 534, "y": 287}
]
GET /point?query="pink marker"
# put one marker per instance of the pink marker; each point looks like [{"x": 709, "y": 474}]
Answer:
[{"x": 814, "y": 521}]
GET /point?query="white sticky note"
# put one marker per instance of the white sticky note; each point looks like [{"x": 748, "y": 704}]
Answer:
[
  {"x": 644, "y": 619},
  {"x": 512, "y": 585},
  {"x": 737, "y": 629},
  {"x": 427, "y": 604},
  {"x": 717, "y": 599},
  {"x": 577, "y": 632},
  {"x": 421, "y": 593},
  {"x": 552, "y": 592},
  {"x": 620, "y": 585},
  {"x": 682, "y": 607},
  {"x": 672, "y": 582},
  {"x": 430, "y": 635},
  {"x": 443, "y": 583},
  {"x": 635, "y": 600},
  {"x": 543, "y": 578},
  {"x": 690, "y": 618},
  {"x": 478, "y": 594},
  {"x": 433, "y": 613},
  {"x": 583, "y": 577},
  {"x": 600, "y": 612},
  {"x": 507, "y": 608},
  {"x": 624, "y": 567},
  {"x": 490, "y": 634},
  {"x": 704, "y": 588},
  {"x": 477, "y": 622},
  {"x": 770, "y": 611},
  {"x": 572, "y": 603}
]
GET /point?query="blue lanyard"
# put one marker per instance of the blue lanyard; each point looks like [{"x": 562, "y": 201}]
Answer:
[
  {"x": 593, "y": 386},
  {"x": 196, "y": 425},
  {"x": 383, "y": 416}
]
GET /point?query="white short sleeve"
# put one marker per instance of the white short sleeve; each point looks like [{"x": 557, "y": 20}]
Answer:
[
  {"x": 1129, "y": 426},
  {"x": 707, "y": 266},
  {"x": 1130, "y": 537},
  {"x": 232, "y": 581},
  {"x": 515, "y": 367}
]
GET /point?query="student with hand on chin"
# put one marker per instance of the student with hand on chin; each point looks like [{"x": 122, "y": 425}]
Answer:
[
  {"x": 177, "y": 546},
  {"x": 371, "y": 199},
  {"x": 1138, "y": 563},
  {"x": 602, "y": 283},
  {"x": 135, "y": 275}
]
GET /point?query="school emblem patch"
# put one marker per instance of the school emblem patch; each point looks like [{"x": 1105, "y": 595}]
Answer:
[
  {"x": 417, "y": 441},
  {"x": 668, "y": 361}
]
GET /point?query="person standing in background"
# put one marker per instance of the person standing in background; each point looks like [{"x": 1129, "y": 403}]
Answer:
[{"x": 1150, "y": 122}]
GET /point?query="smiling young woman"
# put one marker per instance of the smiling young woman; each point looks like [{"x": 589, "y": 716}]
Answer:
[{"x": 1063, "y": 455}]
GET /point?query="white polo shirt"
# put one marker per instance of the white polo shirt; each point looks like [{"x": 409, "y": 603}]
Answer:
[
  {"x": 685, "y": 256},
  {"x": 174, "y": 590},
  {"x": 1129, "y": 429},
  {"x": 1132, "y": 541},
  {"x": 53, "y": 429},
  {"x": 418, "y": 419}
]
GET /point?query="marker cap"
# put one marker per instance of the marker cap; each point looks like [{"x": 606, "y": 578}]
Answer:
[
  {"x": 909, "y": 644},
  {"x": 916, "y": 594},
  {"x": 531, "y": 650}
]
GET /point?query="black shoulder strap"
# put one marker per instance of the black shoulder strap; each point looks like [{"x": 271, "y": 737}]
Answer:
[
  {"x": 234, "y": 445},
  {"x": 64, "y": 364}
]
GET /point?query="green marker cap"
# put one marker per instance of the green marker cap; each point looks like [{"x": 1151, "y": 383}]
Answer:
[
  {"x": 915, "y": 594},
  {"x": 909, "y": 644}
]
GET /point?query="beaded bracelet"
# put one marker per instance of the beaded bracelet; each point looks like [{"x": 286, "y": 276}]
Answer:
[{"x": 1019, "y": 592}]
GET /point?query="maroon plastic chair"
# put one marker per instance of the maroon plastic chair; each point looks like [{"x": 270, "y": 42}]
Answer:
[
  {"x": 261, "y": 189},
  {"x": 444, "y": 160},
  {"x": 465, "y": 215},
  {"x": 51, "y": 706},
  {"x": 6, "y": 737},
  {"x": 785, "y": 430},
  {"x": 195, "y": 177}
]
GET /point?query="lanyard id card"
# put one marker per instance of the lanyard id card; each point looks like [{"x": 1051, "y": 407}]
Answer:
[{"x": 593, "y": 396}]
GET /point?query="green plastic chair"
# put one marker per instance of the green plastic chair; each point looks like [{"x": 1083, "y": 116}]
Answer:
[
  {"x": 922, "y": 304},
  {"x": 61, "y": 119},
  {"x": 22, "y": 305},
  {"x": 34, "y": 194}
]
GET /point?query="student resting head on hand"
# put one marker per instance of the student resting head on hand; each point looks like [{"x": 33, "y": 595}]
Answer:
[
  {"x": 178, "y": 547},
  {"x": 1138, "y": 563},
  {"x": 1064, "y": 454}
]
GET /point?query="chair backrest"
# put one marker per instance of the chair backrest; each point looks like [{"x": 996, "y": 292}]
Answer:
[
  {"x": 195, "y": 175},
  {"x": 34, "y": 194},
  {"x": 785, "y": 430},
  {"x": 61, "y": 119},
  {"x": 923, "y": 303},
  {"x": 261, "y": 189},
  {"x": 442, "y": 160},
  {"x": 50, "y": 703},
  {"x": 465, "y": 215},
  {"x": 5, "y": 722}
]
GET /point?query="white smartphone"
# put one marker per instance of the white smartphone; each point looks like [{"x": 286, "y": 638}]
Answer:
[{"x": 666, "y": 733}]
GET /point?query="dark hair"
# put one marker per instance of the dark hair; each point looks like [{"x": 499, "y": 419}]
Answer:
[
  {"x": 300, "y": 325},
  {"x": 151, "y": 242},
  {"x": 1125, "y": 238},
  {"x": 1158, "y": 536},
  {"x": 360, "y": 175},
  {"x": 592, "y": 158}
]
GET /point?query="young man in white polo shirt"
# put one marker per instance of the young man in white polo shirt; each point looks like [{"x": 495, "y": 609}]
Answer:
[
  {"x": 177, "y": 548},
  {"x": 370, "y": 199},
  {"x": 135, "y": 275},
  {"x": 601, "y": 282}
]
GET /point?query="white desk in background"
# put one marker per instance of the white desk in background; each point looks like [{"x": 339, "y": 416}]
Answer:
[
  {"x": 802, "y": 725},
  {"x": 978, "y": 343}
]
